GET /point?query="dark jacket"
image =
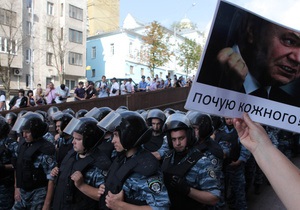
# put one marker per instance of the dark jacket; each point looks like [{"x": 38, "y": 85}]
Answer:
[{"x": 23, "y": 102}]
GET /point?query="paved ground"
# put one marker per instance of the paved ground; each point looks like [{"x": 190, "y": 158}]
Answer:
[{"x": 267, "y": 200}]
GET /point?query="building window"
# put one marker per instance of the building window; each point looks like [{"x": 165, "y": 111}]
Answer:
[
  {"x": 93, "y": 52},
  {"x": 142, "y": 71},
  {"x": 7, "y": 46},
  {"x": 28, "y": 55},
  {"x": 130, "y": 48},
  {"x": 75, "y": 58},
  {"x": 8, "y": 17},
  {"x": 112, "y": 49},
  {"x": 75, "y": 12},
  {"x": 29, "y": 3},
  {"x": 75, "y": 36},
  {"x": 50, "y": 8},
  {"x": 61, "y": 9},
  {"x": 93, "y": 72},
  {"x": 28, "y": 28},
  {"x": 49, "y": 59},
  {"x": 27, "y": 80},
  {"x": 62, "y": 33},
  {"x": 131, "y": 70},
  {"x": 70, "y": 84},
  {"x": 49, "y": 34}
]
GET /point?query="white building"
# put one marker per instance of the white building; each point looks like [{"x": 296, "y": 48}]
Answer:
[{"x": 118, "y": 53}]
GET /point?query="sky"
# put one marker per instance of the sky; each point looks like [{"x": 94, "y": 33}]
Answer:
[{"x": 201, "y": 12}]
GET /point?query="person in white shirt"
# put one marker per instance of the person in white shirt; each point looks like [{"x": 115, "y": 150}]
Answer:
[
  {"x": 2, "y": 100},
  {"x": 115, "y": 88},
  {"x": 62, "y": 93}
]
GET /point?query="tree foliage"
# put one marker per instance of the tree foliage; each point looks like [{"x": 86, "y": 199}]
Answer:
[
  {"x": 156, "y": 46},
  {"x": 189, "y": 55}
]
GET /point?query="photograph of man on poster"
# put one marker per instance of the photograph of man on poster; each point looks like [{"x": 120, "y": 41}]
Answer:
[{"x": 252, "y": 55}]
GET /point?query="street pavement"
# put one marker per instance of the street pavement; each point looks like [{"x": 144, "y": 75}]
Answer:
[{"x": 267, "y": 199}]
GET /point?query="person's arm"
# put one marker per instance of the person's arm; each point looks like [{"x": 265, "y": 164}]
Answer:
[
  {"x": 116, "y": 201},
  {"x": 203, "y": 197},
  {"x": 49, "y": 195},
  {"x": 283, "y": 175},
  {"x": 86, "y": 189}
]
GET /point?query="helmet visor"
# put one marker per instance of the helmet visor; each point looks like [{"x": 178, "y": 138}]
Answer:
[
  {"x": 21, "y": 120},
  {"x": 110, "y": 122},
  {"x": 73, "y": 125}
]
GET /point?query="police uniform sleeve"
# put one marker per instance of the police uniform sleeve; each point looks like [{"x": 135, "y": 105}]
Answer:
[
  {"x": 164, "y": 149},
  {"x": 94, "y": 177},
  {"x": 150, "y": 189},
  {"x": 203, "y": 176}
]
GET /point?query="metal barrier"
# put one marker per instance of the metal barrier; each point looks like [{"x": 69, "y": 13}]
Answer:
[{"x": 174, "y": 98}]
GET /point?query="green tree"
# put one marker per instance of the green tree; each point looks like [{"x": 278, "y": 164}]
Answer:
[
  {"x": 189, "y": 55},
  {"x": 157, "y": 47}
]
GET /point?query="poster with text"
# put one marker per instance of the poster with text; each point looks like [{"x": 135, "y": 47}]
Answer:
[{"x": 249, "y": 64}]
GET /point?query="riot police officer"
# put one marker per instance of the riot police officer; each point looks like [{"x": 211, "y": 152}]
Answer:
[
  {"x": 203, "y": 129},
  {"x": 134, "y": 178},
  {"x": 83, "y": 168},
  {"x": 11, "y": 118},
  {"x": 34, "y": 163},
  {"x": 190, "y": 177},
  {"x": 8, "y": 149},
  {"x": 63, "y": 141},
  {"x": 157, "y": 144}
]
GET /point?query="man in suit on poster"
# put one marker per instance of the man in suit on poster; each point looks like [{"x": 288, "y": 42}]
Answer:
[{"x": 263, "y": 59}]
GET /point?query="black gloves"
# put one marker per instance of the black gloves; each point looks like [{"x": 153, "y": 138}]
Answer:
[{"x": 180, "y": 185}]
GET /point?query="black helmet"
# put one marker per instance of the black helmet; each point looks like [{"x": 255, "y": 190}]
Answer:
[
  {"x": 131, "y": 126},
  {"x": 144, "y": 114},
  {"x": 87, "y": 127},
  {"x": 51, "y": 111},
  {"x": 33, "y": 122},
  {"x": 43, "y": 113},
  {"x": 156, "y": 114},
  {"x": 217, "y": 122},
  {"x": 169, "y": 111},
  {"x": 81, "y": 113},
  {"x": 65, "y": 118},
  {"x": 69, "y": 111},
  {"x": 178, "y": 121},
  {"x": 98, "y": 113},
  {"x": 122, "y": 108},
  {"x": 204, "y": 122},
  {"x": 4, "y": 128},
  {"x": 11, "y": 116},
  {"x": 22, "y": 112}
]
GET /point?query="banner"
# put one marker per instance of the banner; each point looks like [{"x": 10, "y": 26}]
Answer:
[{"x": 249, "y": 64}]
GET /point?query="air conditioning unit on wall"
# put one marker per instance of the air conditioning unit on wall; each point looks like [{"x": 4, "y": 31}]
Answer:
[{"x": 17, "y": 72}]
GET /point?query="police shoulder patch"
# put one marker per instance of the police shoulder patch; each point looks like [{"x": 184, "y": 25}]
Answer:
[
  {"x": 214, "y": 161},
  {"x": 49, "y": 160},
  {"x": 155, "y": 184},
  {"x": 211, "y": 173}
]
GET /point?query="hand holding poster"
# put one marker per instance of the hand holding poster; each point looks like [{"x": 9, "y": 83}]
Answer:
[{"x": 251, "y": 65}]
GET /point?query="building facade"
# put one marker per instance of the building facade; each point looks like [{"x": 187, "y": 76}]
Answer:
[
  {"x": 52, "y": 42},
  {"x": 103, "y": 16},
  {"x": 119, "y": 54}
]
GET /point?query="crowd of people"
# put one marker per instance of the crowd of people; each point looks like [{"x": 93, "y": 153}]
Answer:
[
  {"x": 88, "y": 90},
  {"x": 124, "y": 159}
]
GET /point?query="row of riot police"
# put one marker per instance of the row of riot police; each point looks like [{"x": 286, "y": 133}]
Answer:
[{"x": 120, "y": 159}]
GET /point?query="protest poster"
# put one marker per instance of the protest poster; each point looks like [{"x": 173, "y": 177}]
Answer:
[{"x": 249, "y": 64}]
